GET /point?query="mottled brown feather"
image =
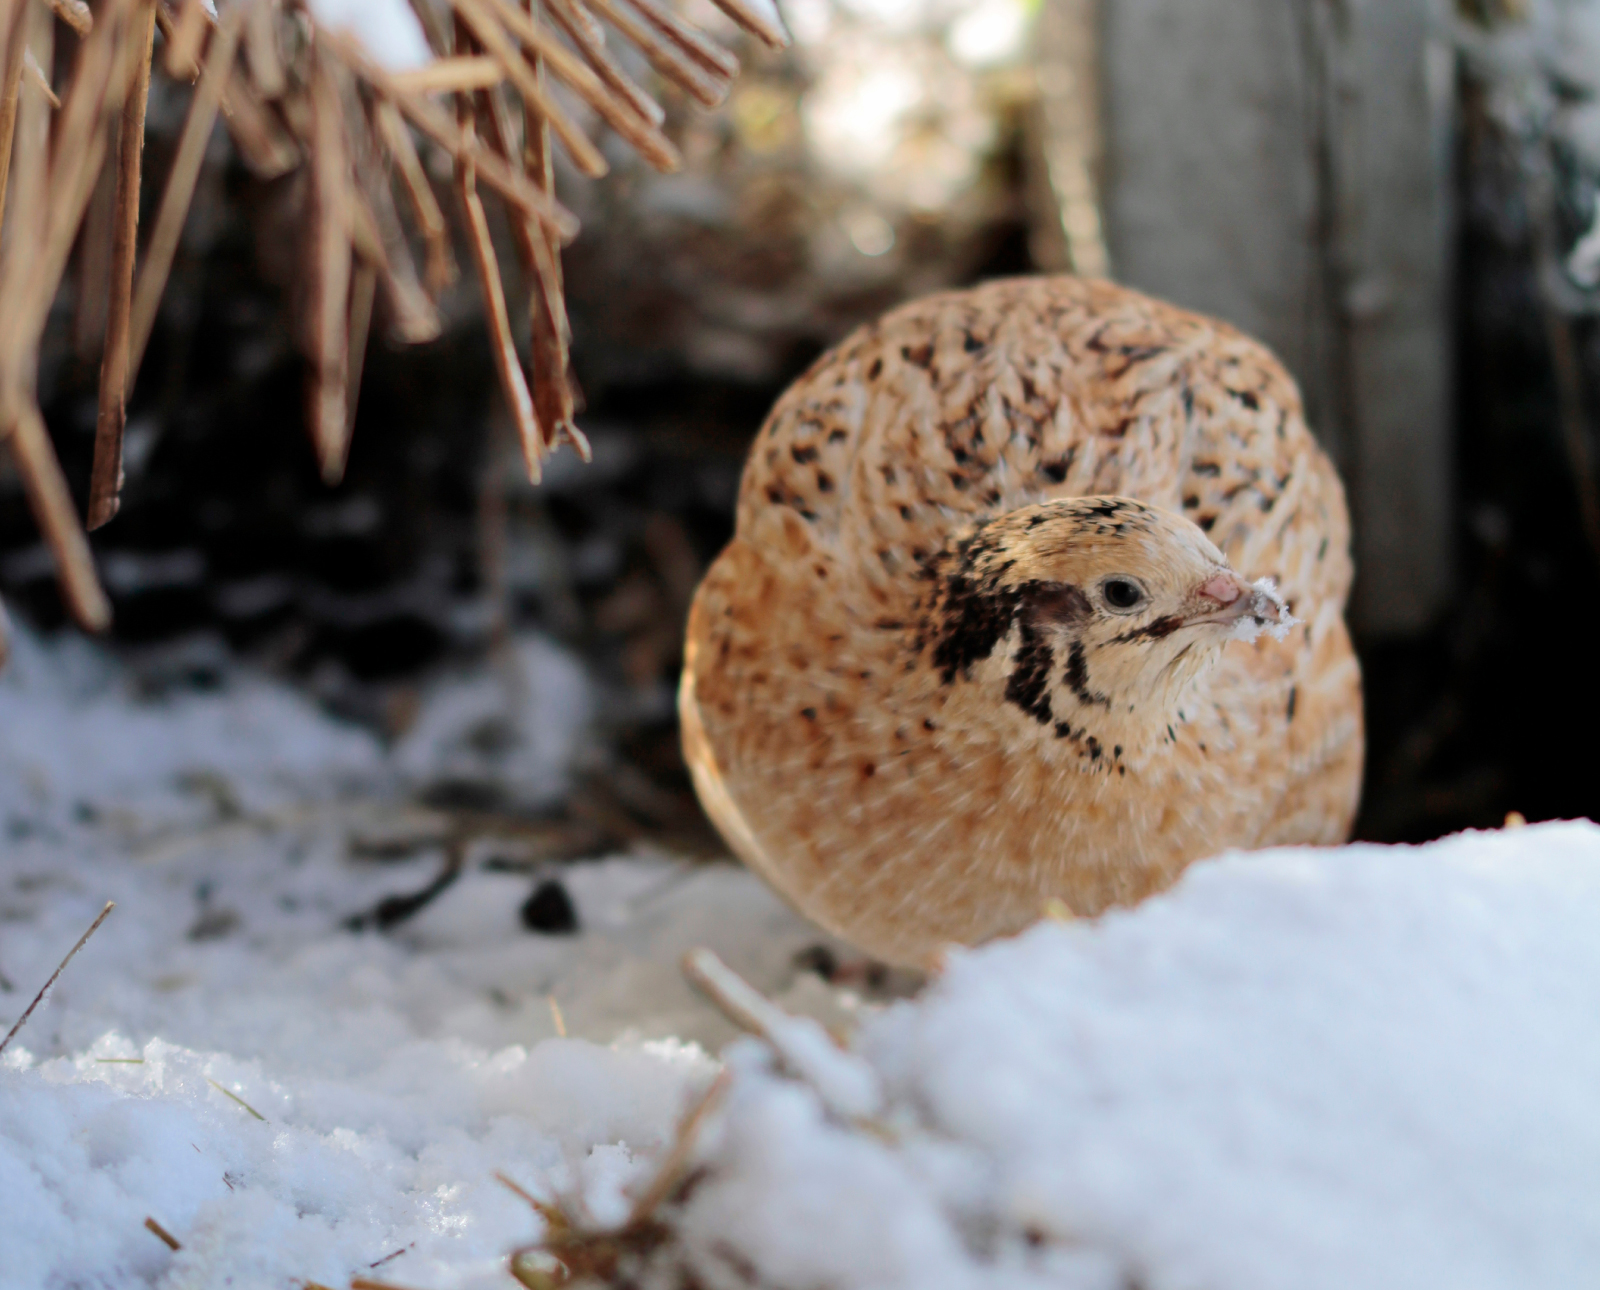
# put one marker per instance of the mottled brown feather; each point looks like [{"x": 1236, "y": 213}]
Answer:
[{"x": 904, "y": 805}]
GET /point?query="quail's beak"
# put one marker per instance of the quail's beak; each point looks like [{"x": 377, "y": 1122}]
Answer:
[{"x": 1227, "y": 599}]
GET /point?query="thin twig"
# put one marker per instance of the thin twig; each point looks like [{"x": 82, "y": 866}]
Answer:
[
  {"x": 543, "y": 1208},
  {"x": 671, "y": 1171},
  {"x": 105, "y": 482},
  {"x": 738, "y": 1000},
  {"x": 166, "y": 1237},
  {"x": 45, "y": 989},
  {"x": 163, "y": 245},
  {"x": 229, "y": 1093}
]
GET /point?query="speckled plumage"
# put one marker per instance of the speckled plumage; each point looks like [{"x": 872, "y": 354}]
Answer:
[{"x": 907, "y": 699}]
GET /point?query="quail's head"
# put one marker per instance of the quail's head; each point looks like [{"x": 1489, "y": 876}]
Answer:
[{"x": 1116, "y": 602}]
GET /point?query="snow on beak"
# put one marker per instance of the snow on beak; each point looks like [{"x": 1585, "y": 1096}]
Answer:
[{"x": 1249, "y": 608}]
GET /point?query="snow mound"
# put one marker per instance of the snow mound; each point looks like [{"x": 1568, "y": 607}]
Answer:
[{"x": 1368, "y": 1066}]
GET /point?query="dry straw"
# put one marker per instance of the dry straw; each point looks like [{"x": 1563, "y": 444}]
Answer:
[{"x": 293, "y": 95}]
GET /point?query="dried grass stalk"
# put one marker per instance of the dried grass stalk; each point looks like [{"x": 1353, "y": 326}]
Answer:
[
  {"x": 441, "y": 265},
  {"x": 93, "y": 278},
  {"x": 451, "y": 75},
  {"x": 263, "y": 144},
  {"x": 541, "y": 259},
  {"x": 163, "y": 245},
  {"x": 707, "y": 53},
  {"x": 261, "y": 49},
  {"x": 26, "y": 224},
  {"x": 185, "y": 38},
  {"x": 501, "y": 341},
  {"x": 327, "y": 311},
  {"x": 363, "y": 291},
  {"x": 162, "y": 1235},
  {"x": 57, "y": 517},
  {"x": 756, "y": 22},
  {"x": 503, "y": 345},
  {"x": 356, "y": 244},
  {"x": 665, "y": 56},
  {"x": 530, "y": 238},
  {"x": 589, "y": 37},
  {"x": 33, "y": 269},
  {"x": 480, "y": 18},
  {"x": 74, "y": 13},
  {"x": 60, "y": 968},
  {"x": 39, "y": 81},
  {"x": 16, "y": 48},
  {"x": 617, "y": 109},
  {"x": 553, "y": 388},
  {"x": 380, "y": 240},
  {"x": 461, "y": 145},
  {"x": 105, "y": 482},
  {"x": 77, "y": 153}
]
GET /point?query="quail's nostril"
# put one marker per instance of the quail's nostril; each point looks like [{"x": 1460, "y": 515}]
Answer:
[{"x": 1224, "y": 588}]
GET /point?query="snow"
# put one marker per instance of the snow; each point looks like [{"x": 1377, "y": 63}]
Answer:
[
  {"x": 387, "y": 28},
  {"x": 1357, "y": 1066},
  {"x": 1368, "y": 1067}
]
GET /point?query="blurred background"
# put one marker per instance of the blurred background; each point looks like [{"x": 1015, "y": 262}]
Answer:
[{"x": 1399, "y": 196}]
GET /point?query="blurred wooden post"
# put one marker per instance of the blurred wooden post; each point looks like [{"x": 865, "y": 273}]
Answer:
[{"x": 1284, "y": 164}]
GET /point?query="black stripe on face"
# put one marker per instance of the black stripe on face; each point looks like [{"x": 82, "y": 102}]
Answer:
[
  {"x": 1160, "y": 629},
  {"x": 1077, "y": 677},
  {"x": 1030, "y": 680}
]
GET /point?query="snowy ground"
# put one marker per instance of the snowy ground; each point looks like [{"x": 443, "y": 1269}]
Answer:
[{"x": 1364, "y": 1067}]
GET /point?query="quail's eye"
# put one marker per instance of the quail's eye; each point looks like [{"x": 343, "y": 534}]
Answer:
[{"x": 1120, "y": 593}]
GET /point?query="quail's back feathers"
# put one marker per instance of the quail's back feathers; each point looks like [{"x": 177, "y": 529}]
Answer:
[{"x": 973, "y": 643}]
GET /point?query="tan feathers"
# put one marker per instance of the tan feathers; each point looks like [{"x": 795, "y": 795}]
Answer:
[{"x": 924, "y": 692}]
